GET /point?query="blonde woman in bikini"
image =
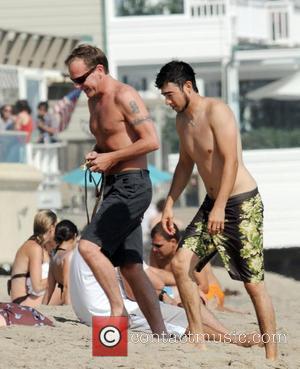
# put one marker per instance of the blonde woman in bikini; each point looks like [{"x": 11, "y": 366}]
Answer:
[{"x": 28, "y": 282}]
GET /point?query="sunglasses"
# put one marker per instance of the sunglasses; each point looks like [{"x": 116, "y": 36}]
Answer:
[{"x": 80, "y": 80}]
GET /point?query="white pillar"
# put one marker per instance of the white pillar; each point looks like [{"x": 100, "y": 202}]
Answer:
[
  {"x": 233, "y": 91},
  {"x": 159, "y": 119}
]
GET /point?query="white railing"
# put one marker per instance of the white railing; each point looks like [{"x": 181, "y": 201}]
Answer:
[
  {"x": 45, "y": 157},
  {"x": 208, "y": 8},
  {"x": 12, "y": 147},
  {"x": 280, "y": 14}
]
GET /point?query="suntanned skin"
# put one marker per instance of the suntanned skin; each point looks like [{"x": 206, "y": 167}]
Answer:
[
  {"x": 29, "y": 258},
  {"x": 161, "y": 256},
  {"x": 209, "y": 138},
  {"x": 59, "y": 272},
  {"x": 124, "y": 134}
]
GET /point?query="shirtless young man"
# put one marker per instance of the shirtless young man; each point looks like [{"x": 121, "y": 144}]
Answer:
[
  {"x": 124, "y": 134},
  {"x": 231, "y": 216}
]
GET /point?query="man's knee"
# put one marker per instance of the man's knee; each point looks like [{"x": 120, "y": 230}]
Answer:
[
  {"x": 184, "y": 262},
  {"x": 132, "y": 269},
  {"x": 255, "y": 289},
  {"x": 87, "y": 248}
]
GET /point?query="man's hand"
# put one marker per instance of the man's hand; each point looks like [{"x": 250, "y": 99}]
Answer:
[
  {"x": 216, "y": 220},
  {"x": 100, "y": 162},
  {"x": 167, "y": 221}
]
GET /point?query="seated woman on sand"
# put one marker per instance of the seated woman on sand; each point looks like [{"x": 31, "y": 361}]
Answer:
[
  {"x": 28, "y": 281},
  {"x": 65, "y": 237}
]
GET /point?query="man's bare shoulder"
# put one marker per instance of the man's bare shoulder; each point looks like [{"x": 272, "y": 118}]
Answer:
[
  {"x": 124, "y": 93},
  {"x": 217, "y": 109},
  {"x": 213, "y": 105},
  {"x": 131, "y": 104}
]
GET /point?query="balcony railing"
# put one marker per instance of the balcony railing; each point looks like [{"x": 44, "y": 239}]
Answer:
[
  {"x": 207, "y": 8},
  {"x": 12, "y": 147},
  {"x": 44, "y": 157}
]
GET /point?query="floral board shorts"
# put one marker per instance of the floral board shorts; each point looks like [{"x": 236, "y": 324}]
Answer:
[
  {"x": 240, "y": 245},
  {"x": 24, "y": 315}
]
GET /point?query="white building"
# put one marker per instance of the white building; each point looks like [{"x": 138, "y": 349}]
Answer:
[
  {"x": 235, "y": 46},
  {"x": 226, "y": 41},
  {"x": 231, "y": 44}
]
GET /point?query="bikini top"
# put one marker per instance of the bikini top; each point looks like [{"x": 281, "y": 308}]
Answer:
[{"x": 18, "y": 275}]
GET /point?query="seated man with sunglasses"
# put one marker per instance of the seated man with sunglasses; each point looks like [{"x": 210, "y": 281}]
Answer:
[{"x": 124, "y": 133}]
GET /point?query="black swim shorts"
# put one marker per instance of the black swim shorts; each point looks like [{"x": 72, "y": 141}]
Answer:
[
  {"x": 116, "y": 227},
  {"x": 240, "y": 245}
]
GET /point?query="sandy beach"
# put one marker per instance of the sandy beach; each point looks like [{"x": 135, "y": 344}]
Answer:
[{"x": 68, "y": 344}]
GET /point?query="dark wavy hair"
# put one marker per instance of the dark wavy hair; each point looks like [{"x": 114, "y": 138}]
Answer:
[
  {"x": 177, "y": 72},
  {"x": 65, "y": 231},
  {"x": 22, "y": 105}
]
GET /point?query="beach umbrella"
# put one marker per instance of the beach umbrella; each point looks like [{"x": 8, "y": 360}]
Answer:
[
  {"x": 77, "y": 177},
  {"x": 158, "y": 176}
]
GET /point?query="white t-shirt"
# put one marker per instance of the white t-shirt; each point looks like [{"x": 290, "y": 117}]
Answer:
[{"x": 88, "y": 299}]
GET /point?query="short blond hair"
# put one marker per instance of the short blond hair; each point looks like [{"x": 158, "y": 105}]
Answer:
[{"x": 43, "y": 220}]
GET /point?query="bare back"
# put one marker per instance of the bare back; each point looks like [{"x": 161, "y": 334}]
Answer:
[
  {"x": 205, "y": 139},
  {"x": 29, "y": 259},
  {"x": 110, "y": 126},
  {"x": 58, "y": 264}
]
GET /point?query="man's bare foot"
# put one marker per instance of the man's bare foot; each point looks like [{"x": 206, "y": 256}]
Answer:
[
  {"x": 272, "y": 357},
  {"x": 229, "y": 309},
  {"x": 248, "y": 339},
  {"x": 197, "y": 340}
]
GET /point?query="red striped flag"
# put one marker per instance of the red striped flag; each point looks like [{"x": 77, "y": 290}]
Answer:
[{"x": 64, "y": 108}]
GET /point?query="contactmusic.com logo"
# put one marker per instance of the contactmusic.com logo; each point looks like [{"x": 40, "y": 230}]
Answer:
[{"x": 110, "y": 336}]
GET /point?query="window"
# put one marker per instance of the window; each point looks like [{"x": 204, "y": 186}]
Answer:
[
  {"x": 125, "y": 8},
  {"x": 280, "y": 25}
]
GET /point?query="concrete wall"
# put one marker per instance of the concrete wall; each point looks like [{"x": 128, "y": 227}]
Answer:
[{"x": 18, "y": 199}]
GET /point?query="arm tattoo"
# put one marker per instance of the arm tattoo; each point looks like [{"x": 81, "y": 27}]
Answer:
[
  {"x": 138, "y": 121},
  {"x": 134, "y": 107}
]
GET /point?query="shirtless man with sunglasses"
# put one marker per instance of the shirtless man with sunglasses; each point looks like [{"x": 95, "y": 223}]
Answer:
[{"x": 124, "y": 133}]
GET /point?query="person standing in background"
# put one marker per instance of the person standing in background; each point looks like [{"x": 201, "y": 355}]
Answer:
[
  {"x": 46, "y": 124},
  {"x": 6, "y": 118},
  {"x": 24, "y": 122}
]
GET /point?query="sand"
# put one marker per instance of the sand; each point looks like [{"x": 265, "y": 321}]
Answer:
[{"x": 68, "y": 344}]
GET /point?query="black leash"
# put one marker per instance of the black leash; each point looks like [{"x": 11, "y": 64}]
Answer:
[{"x": 98, "y": 192}]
